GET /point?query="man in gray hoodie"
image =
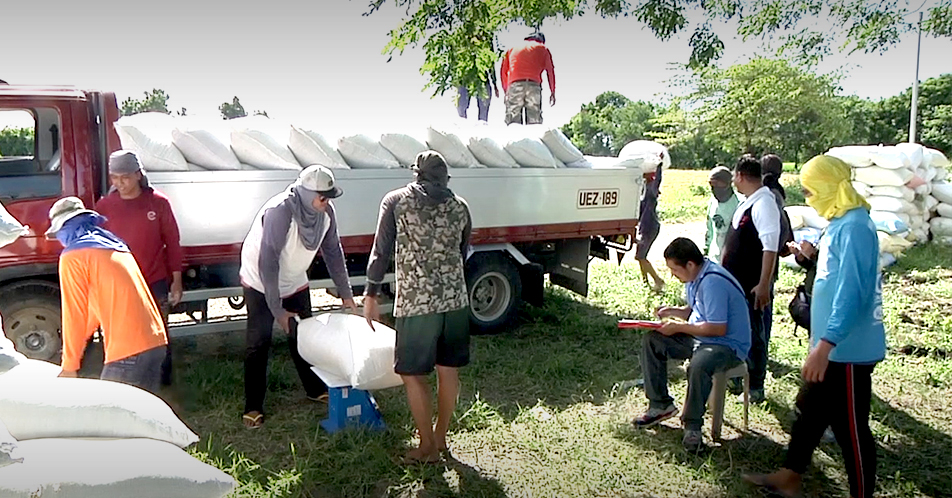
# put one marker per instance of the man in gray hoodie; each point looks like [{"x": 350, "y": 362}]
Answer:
[
  {"x": 275, "y": 256},
  {"x": 432, "y": 226}
]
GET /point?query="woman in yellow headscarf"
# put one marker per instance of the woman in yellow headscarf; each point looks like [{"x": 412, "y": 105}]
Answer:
[
  {"x": 847, "y": 339},
  {"x": 826, "y": 181}
]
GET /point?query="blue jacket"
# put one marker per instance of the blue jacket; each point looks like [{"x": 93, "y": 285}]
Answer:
[{"x": 847, "y": 305}]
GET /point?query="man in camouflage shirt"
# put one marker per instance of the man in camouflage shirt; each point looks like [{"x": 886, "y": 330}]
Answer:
[{"x": 430, "y": 227}]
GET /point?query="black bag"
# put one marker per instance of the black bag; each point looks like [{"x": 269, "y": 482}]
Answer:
[{"x": 799, "y": 307}]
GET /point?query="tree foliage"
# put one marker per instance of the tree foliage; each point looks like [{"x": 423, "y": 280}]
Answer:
[
  {"x": 769, "y": 105},
  {"x": 232, "y": 110},
  {"x": 890, "y": 116},
  {"x": 155, "y": 101},
  {"x": 16, "y": 142},
  {"x": 604, "y": 126},
  {"x": 459, "y": 36}
]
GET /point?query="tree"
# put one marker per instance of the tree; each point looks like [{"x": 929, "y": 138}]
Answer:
[
  {"x": 459, "y": 37},
  {"x": 891, "y": 115},
  {"x": 769, "y": 105},
  {"x": 155, "y": 101},
  {"x": 603, "y": 127},
  {"x": 16, "y": 142},
  {"x": 232, "y": 110},
  {"x": 687, "y": 139}
]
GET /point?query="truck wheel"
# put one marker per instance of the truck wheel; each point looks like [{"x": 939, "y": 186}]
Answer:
[
  {"x": 495, "y": 291},
  {"x": 32, "y": 320}
]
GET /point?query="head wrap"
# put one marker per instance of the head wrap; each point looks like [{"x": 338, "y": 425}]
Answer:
[{"x": 831, "y": 193}]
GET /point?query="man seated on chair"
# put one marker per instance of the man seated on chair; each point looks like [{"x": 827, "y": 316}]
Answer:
[{"x": 716, "y": 337}]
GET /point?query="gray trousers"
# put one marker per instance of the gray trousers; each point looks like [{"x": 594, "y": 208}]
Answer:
[{"x": 706, "y": 359}]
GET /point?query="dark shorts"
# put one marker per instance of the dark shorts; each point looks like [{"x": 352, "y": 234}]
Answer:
[{"x": 425, "y": 341}]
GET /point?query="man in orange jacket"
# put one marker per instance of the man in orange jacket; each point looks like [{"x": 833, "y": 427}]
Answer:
[
  {"x": 101, "y": 285},
  {"x": 521, "y": 73}
]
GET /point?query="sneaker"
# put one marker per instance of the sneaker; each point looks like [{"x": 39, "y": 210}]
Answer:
[
  {"x": 756, "y": 397},
  {"x": 735, "y": 386},
  {"x": 655, "y": 415},
  {"x": 692, "y": 441}
]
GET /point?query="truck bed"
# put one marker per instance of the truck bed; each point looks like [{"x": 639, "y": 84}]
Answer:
[{"x": 215, "y": 208}]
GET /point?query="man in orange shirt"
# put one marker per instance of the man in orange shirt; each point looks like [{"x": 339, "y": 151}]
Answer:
[
  {"x": 522, "y": 80},
  {"x": 102, "y": 286}
]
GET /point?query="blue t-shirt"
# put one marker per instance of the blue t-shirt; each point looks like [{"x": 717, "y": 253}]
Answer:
[
  {"x": 847, "y": 304},
  {"x": 715, "y": 296}
]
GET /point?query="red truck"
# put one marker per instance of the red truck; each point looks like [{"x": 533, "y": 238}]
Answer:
[{"x": 528, "y": 223}]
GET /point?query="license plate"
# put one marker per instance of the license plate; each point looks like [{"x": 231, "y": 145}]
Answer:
[{"x": 588, "y": 199}]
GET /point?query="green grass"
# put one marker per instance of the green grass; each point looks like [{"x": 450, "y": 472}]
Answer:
[
  {"x": 685, "y": 194},
  {"x": 544, "y": 410}
]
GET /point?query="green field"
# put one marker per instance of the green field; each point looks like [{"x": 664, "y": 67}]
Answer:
[{"x": 544, "y": 409}]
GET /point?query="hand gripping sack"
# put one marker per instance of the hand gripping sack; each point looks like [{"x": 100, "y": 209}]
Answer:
[
  {"x": 344, "y": 351},
  {"x": 86, "y": 408}
]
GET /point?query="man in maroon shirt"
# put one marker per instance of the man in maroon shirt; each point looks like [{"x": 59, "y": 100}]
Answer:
[{"x": 143, "y": 218}]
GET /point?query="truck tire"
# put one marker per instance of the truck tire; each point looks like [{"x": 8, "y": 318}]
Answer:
[
  {"x": 32, "y": 319},
  {"x": 495, "y": 292}
]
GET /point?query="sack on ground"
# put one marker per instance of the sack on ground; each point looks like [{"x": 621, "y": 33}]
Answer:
[
  {"x": 121, "y": 468},
  {"x": 854, "y": 155},
  {"x": 942, "y": 191},
  {"x": 888, "y": 222},
  {"x": 87, "y": 408},
  {"x": 877, "y": 176},
  {"x": 808, "y": 215},
  {"x": 310, "y": 147},
  {"x": 941, "y": 226},
  {"x": 344, "y": 351},
  {"x": 149, "y": 135},
  {"x": 891, "y": 204}
]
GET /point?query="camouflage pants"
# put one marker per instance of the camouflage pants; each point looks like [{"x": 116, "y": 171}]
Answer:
[{"x": 524, "y": 95}]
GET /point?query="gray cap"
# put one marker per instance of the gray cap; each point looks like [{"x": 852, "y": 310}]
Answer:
[
  {"x": 721, "y": 174},
  {"x": 126, "y": 162},
  {"x": 320, "y": 179}
]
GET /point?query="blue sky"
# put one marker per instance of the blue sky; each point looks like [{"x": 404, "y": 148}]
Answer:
[{"x": 320, "y": 63}]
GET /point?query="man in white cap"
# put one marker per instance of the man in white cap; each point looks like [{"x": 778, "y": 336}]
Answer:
[
  {"x": 284, "y": 239},
  {"x": 101, "y": 286},
  {"x": 143, "y": 218}
]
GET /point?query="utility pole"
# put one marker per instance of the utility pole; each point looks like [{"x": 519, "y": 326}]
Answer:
[{"x": 914, "y": 109}]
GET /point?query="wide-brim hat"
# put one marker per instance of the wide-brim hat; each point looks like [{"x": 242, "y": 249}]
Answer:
[{"x": 64, "y": 210}]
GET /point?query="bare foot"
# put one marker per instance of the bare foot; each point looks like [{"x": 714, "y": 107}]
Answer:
[
  {"x": 417, "y": 456},
  {"x": 784, "y": 482}
]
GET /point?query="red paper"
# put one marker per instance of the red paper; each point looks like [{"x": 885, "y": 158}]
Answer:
[{"x": 638, "y": 324}]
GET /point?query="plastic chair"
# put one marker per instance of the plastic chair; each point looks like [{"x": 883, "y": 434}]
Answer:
[{"x": 719, "y": 391}]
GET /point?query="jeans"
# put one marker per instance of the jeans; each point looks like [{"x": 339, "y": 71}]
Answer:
[
  {"x": 160, "y": 293},
  {"x": 141, "y": 370},
  {"x": 482, "y": 103},
  {"x": 841, "y": 402},
  {"x": 258, "y": 340},
  {"x": 706, "y": 360}
]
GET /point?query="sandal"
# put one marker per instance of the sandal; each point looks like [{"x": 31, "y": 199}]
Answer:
[{"x": 253, "y": 420}]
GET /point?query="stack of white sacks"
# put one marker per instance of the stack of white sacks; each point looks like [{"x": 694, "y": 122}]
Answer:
[
  {"x": 905, "y": 186},
  {"x": 167, "y": 143},
  {"x": 86, "y": 437}
]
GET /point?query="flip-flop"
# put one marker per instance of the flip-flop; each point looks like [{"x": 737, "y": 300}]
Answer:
[
  {"x": 253, "y": 420},
  {"x": 761, "y": 481}
]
